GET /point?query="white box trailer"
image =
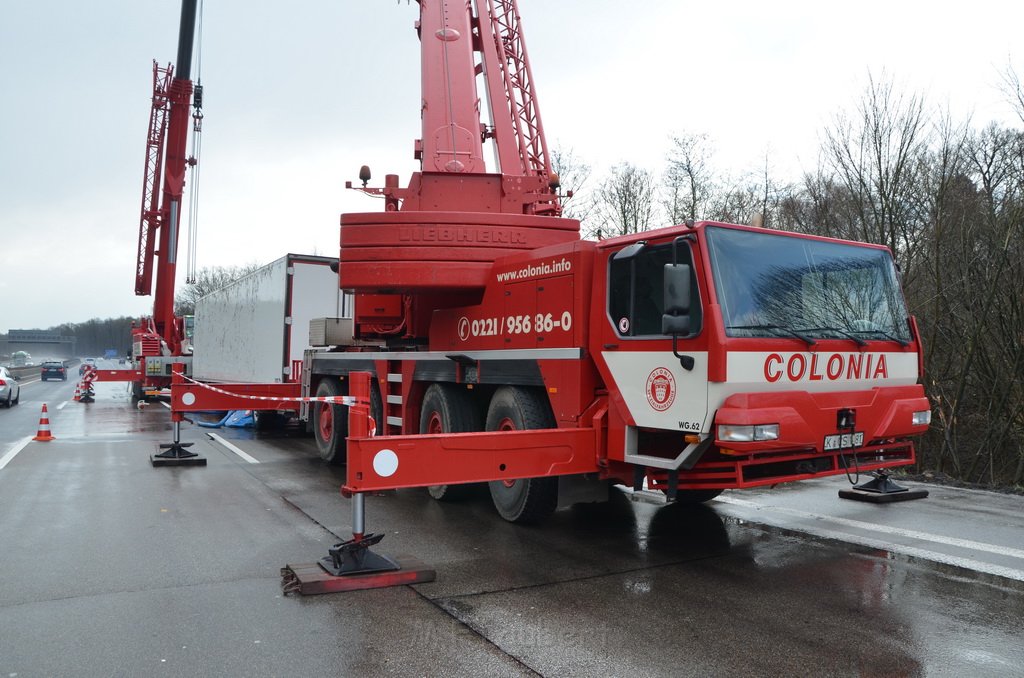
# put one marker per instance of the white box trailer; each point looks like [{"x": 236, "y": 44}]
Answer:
[{"x": 251, "y": 330}]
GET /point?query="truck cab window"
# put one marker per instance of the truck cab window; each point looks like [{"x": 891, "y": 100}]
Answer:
[{"x": 636, "y": 289}]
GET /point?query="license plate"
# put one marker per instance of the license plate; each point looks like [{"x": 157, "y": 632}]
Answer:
[{"x": 844, "y": 440}]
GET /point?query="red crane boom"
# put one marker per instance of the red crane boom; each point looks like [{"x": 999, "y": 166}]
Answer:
[
  {"x": 518, "y": 131},
  {"x": 166, "y": 162},
  {"x": 163, "y": 185}
]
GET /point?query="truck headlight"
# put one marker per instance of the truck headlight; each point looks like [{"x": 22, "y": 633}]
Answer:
[
  {"x": 735, "y": 433},
  {"x": 922, "y": 418}
]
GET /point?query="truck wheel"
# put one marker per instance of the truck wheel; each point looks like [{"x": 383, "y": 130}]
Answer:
[
  {"x": 136, "y": 391},
  {"x": 529, "y": 500},
  {"x": 330, "y": 423},
  {"x": 449, "y": 409}
]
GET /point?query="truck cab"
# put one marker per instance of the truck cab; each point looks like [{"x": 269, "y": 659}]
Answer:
[{"x": 740, "y": 356}]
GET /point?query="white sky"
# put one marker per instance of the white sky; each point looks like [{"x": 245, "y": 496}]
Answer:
[{"x": 300, "y": 94}]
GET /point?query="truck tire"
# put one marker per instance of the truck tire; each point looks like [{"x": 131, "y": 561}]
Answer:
[
  {"x": 449, "y": 409},
  {"x": 330, "y": 423},
  {"x": 530, "y": 500}
]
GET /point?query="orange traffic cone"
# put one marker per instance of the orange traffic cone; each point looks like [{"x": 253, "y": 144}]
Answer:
[
  {"x": 43, "y": 434},
  {"x": 78, "y": 393}
]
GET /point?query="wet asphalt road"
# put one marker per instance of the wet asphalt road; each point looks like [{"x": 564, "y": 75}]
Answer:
[{"x": 113, "y": 568}]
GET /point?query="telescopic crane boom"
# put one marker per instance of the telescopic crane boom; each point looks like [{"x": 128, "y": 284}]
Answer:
[{"x": 164, "y": 184}]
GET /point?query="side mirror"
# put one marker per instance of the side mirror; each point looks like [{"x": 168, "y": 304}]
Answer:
[
  {"x": 677, "y": 300},
  {"x": 675, "y": 324}
]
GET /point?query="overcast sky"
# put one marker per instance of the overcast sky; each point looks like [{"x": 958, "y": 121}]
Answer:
[{"x": 300, "y": 94}]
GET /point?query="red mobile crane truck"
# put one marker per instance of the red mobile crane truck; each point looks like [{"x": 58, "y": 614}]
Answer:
[
  {"x": 160, "y": 340},
  {"x": 491, "y": 344}
]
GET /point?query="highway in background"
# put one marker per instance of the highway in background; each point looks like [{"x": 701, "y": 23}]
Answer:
[{"x": 21, "y": 422}]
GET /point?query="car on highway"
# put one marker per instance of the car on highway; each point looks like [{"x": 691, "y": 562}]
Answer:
[
  {"x": 10, "y": 390},
  {"x": 53, "y": 369}
]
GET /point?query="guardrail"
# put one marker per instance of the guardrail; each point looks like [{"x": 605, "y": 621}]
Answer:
[
  {"x": 19, "y": 372},
  {"x": 29, "y": 370}
]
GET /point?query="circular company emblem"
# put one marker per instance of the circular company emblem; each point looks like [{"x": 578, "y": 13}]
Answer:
[
  {"x": 464, "y": 328},
  {"x": 661, "y": 389}
]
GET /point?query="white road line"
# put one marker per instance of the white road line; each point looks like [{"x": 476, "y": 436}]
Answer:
[
  {"x": 909, "y": 534},
  {"x": 890, "y": 546},
  {"x": 240, "y": 453},
  {"x": 62, "y": 405},
  {"x": 18, "y": 447},
  {"x": 167, "y": 405}
]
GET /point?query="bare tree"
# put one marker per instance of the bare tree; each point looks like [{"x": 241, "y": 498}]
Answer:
[
  {"x": 208, "y": 279},
  {"x": 874, "y": 154},
  {"x": 689, "y": 182},
  {"x": 573, "y": 174},
  {"x": 754, "y": 198},
  {"x": 1014, "y": 90},
  {"x": 993, "y": 365},
  {"x": 625, "y": 202}
]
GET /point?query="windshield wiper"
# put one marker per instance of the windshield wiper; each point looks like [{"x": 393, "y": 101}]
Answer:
[
  {"x": 778, "y": 331},
  {"x": 902, "y": 342},
  {"x": 852, "y": 337}
]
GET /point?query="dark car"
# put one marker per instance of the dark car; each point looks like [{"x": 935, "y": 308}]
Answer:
[{"x": 53, "y": 369}]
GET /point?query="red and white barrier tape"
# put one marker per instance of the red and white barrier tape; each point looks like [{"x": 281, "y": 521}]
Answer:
[{"x": 336, "y": 400}]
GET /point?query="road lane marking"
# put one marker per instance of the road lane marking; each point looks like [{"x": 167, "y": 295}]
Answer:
[
  {"x": 239, "y": 452},
  {"x": 890, "y": 546},
  {"x": 18, "y": 447},
  {"x": 874, "y": 527},
  {"x": 61, "y": 406},
  {"x": 167, "y": 405}
]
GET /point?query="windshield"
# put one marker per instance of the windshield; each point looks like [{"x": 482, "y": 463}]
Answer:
[{"x": 772, "y": 285}]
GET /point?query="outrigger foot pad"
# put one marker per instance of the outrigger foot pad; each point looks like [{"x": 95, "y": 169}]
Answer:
[
  {"x": 881, "y": 490},
  {"x": 310, "y": 579},
  {"x": 176, "y": 454},
  {"x": 355, "y": 557}
]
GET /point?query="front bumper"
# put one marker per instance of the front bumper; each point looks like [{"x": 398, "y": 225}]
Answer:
[{"x": 883, "y": 425}]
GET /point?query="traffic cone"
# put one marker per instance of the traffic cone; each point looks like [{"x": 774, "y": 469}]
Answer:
[
  {"x": 78, "y": 393},
  {"x": 43, "y": 435}
]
